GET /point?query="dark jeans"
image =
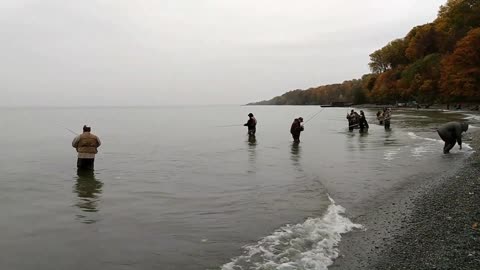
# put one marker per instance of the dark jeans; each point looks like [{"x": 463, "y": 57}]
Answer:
[
  {"x": 85, "y": 163},
  {"x": 252, "y": 132}
]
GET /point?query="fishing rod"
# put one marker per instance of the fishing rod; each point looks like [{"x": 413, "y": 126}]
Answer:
[
  {"x": 315, "y": 115},
  {"x": 229, "y": 126},
  {"x": 71, "y": 131}
]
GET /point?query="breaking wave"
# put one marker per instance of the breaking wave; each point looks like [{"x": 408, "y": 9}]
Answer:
[
  {"x": 415, "y": 136},
  {"x": 312, "y": 245}
]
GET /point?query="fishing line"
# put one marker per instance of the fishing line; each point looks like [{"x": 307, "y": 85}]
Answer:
[
  {"x": 315, "y": 115},
  {"x": 229, "y": 126},
  {"x": 71, "y": 131}
]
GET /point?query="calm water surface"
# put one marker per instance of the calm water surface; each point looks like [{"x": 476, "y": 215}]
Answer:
[{"x": 179, "y": 188}]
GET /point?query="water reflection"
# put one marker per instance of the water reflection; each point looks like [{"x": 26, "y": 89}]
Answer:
[
  {"x": 295, "y": 156},
  {"x": 252, "y": 152},
  {"x": 88, "y": 190},
  {"x": 389, "y": 138},
  {"x": 363, "y": 140},
  {"x": 252, "y": 140}
]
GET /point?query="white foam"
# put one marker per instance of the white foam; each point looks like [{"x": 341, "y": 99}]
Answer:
[
  {"x": 415, "y": 136},
  {"x": 390, "y": 154},
  {"x": 467, "y": 146},
  {"x": 311, "y": 245},
  {"x": 412, "y": 116},
  {"x": 472, "y": 117},
  {"x": 419, "y": 151}
]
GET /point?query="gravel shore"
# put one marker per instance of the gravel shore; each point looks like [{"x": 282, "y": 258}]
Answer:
[{"x": 428, "y": 224}]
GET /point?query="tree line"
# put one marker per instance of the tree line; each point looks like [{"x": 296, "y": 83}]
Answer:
[{"x": 434, "y": 62}]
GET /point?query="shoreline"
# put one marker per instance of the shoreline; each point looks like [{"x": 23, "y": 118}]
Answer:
[{"x": 428, "y": 224}]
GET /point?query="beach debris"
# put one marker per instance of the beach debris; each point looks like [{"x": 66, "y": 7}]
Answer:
[{"x": 475, "y": 226}]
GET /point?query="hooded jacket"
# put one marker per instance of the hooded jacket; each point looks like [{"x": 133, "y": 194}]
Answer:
[
  {"x": 296, "y": 127},
  {"x": 452, "y": 131}
]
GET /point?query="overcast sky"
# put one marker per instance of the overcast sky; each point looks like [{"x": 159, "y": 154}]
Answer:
[{"x": 164, "y": 52}]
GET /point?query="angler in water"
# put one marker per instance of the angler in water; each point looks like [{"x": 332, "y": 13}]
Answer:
[
  {"x": 451, "y": 133},
  {"x": 251, "y": 124},
  {"x": 380, "y": 117},
  {"x": 387, "y": 115},
  {"x": 86, "y": 145},
  {"x": 296, "y": 128},
  {"x": 363, "y": 122},
  {"x": 353, "y": 120}
]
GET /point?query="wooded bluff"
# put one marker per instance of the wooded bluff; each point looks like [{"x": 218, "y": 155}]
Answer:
[{"x": 437, "y": 62}]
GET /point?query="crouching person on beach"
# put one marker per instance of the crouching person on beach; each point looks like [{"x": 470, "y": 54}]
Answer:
[
  {"x": 450, "y": 133},
  {"x": 86, "y": 145}
]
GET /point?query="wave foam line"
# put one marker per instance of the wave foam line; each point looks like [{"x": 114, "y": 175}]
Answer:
[
  {"x": 472, "y": 117},
  {"x": 415, "y": 136},
  {"x": 312, "y": 245}
]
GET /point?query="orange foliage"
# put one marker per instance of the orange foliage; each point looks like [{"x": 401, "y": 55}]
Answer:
[
  {"x": 422, "y": 42},
  {"x": 461, "y": 69}
]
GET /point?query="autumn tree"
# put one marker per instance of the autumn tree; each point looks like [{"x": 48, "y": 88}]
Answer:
[
  {"x": 455, "y": 19},
  {"x": 460, "y": 74},
  {"x": 421, "y": 42},
  {"x": 390, "y": 56}
]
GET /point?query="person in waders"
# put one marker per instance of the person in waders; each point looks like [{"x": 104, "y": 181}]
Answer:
[
  {"x": 86, "y": 145},
  {"x": 451, "y": 133},
  {"x": 387, "y": 115},
  {"x": 251, "y": 124},
  {"x": 296, "y": 128},
  {"x": 363, "y": 122},
  {"x": 353, "y": 119},
  {"x": 380, "y": 117}
]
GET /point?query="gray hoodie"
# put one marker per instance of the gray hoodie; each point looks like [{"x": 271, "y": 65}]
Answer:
[{"x": 452, "y": 131}]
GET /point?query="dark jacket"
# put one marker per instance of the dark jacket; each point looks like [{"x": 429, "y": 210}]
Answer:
[
  {"x": 452, "y": 131},
  {"x": 296, "y": 127},
  {"x": 363, "y": 121},
  {"x": 251, "y": 124}
]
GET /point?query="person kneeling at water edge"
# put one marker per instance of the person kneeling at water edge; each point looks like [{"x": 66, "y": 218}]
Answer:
[
  {"x": 296, "y": 128},
  {"x": 450, "y": 133},
  {"x": 86, "y": 145},
  {"x": 251, "y": 124}
]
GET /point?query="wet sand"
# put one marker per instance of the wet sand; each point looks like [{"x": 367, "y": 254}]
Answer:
[{"x": 427, "y": 223}]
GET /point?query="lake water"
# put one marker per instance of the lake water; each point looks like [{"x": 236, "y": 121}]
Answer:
[{"x": 185, "y": 188}]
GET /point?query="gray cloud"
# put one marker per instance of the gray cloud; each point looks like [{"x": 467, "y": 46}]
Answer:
[{"x": 112, "y": 52}]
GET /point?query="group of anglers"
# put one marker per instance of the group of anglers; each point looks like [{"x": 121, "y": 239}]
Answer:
[
  {"x": 356, "y": 120},
  {"x": 87, "y": 143}
]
